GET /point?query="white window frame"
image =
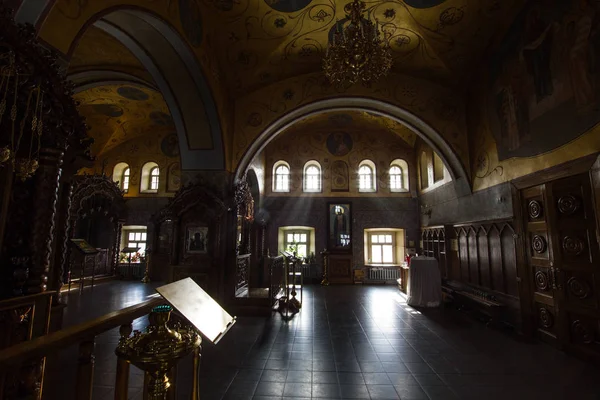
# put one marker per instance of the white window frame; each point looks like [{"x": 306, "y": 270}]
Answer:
[
  {"x": 404, "y": 182},
  {"x": 127, "y": 242},
  {"x": 373, "y": 176},
  {"x": 371, "y": 245},
  {"x": 317, "y": 177},
  {"x": 119, "y": 175},
  {"x": 285, "y": 182},
  {"x": 298, "y": 232},
  {"x": 146, "y": 179},
  {"x": 126, "y": 179},
  {"x": 154, "y": 179}
]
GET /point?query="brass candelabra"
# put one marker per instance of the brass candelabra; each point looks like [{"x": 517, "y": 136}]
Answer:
[{"x": 157, "y": 350}]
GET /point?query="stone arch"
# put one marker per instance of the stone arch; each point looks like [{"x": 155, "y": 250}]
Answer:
[
  {"x": 173, "y": 67},
  {"x": 410, "y": 120}
]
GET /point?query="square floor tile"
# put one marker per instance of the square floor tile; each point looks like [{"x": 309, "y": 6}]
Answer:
[
  {"x": 324, "y": 377},
  {"x": 354, "y": 392},
  {"x": 382, "y": 392},
  {"x": 377, "y": 378},
  {"x": 295, "y": 389},
  {"x": 326, "y": 390},
  {"x": 269, "y": 389}
]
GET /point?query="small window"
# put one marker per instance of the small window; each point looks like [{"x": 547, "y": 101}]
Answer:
[
  {"x": 395, "y": 178},
  {"x": 399, "y": 176},
  {"x": 297, "y": 241},
  {"x": 312, "y": 177},
  {"x": 154, "y": 175},
  {"x": 134, "y": 238},
  {"x": 382, "y": 248},
  {"x": 281, "y": 177},
  {"x": 366, "y": 176},
  {"x": 125, "y": 184}
]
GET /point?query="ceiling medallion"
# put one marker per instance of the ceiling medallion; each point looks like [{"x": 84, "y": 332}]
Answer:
[{"x": 356, "y": 53}]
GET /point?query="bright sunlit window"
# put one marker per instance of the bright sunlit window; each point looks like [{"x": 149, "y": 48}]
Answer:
[
  {"x": 366, "y": 176},
  {"x": 125, "y": 184},
  {"x": 281, "y": 177},
  {"x": 312, "y": 177},
  {"x": 154, "y": 174},
  {"x": 297, "y": 241},
  {"x": 395, "y": 178},
  {"x": 382, "y": 247}
]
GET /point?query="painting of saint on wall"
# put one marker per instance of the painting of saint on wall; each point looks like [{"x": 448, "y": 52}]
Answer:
[
  {"x": 339, "y": 177},
  {"x": 340, "y": 226},
  {"x": 197, "y": 240},
  {"x": 545, "y": 78},
  {"x": 339, "y": 143}
]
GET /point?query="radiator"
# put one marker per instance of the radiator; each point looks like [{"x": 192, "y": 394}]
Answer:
[{"x": 383, "y": 274}]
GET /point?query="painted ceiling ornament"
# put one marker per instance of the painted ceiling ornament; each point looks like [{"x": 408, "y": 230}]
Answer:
[{"x": 357, "y": 53}]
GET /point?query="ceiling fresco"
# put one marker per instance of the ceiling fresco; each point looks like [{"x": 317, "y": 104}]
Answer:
[
  {"x": 269, "y": 40},
  {"x": 119, "y": 113},
  {"x": 99, "y": 51},
  {"x": 357, "y": 121}
]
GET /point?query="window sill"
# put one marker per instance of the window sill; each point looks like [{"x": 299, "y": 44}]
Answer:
[
  {"x": 382, "y": 265},
  {"x": 148, "y": 191}
]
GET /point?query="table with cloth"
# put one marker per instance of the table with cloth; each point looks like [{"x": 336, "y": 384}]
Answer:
[{"x": 424, "y": 283}]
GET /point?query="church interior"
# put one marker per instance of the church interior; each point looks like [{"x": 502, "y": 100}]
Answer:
[{"x": 382, "y": 199}]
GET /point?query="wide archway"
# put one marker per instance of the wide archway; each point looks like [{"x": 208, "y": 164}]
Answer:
[{"x": 421, "y": 128}]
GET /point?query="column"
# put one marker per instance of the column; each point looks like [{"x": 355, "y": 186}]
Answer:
[
  {"x": 63, "y": 221},
  {"x": 45, "y": 191}
]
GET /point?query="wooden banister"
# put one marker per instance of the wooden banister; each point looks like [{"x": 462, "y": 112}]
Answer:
[{"x": 42, "y": 346}]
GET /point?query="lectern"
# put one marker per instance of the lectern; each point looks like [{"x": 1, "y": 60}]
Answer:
[
  {"x": 87, "y": 253},
  {"x": 129, "y": 251},
  {"x": 162, "y": 345}
]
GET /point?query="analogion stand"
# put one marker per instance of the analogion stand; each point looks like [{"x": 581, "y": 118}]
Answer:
[{"x": 87, "y": 253}]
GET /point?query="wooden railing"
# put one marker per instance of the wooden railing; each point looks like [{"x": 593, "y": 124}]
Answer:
[
  {"x": 22, "y": 319},
  {"x": 84, "y": 335},
  {"x": 242, "y": 272}
]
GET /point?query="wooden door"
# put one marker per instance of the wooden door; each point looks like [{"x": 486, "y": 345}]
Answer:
[
  {"x": 540, "y": 262},
  {"x": 576, "y": 263}
]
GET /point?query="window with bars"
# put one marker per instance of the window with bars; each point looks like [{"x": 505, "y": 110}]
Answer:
[
  {"x": 396, "y": 179},
  {"x": 365, "y": 179},
  {"x": 154, "y": 176},
  {"x": 382, "y": 248},
  {"x": 281, "y": 182},
  {"x": 297, "y": 240},
  {"x": 125, "y": 180},
  {"x": 135, "y": 239},
  {"x": 312, "y": 177}
]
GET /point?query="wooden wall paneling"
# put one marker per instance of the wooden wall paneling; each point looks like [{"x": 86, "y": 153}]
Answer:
[
  {"x": 495, "y": 255},
  {"x": 509, "y": 260},
  {"x": 463, "y": 254},
  {"x": 484, "y": 258},
  {"x": 473, "y": 257}
]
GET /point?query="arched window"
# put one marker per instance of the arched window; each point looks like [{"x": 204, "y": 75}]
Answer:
[
  {"x": 121, "y": 173},
  {"x": 423, "y": 163},
  {"x": 312, "y": 177},
  {"x": 150, "y": 178},
  {"x": 154, "y": 173},
  {"x": 281, "y": 177},
  {"x": 399, "y": 176},
  {"x": 366, "y": 176},
  {"x": 125, "y": 180}
]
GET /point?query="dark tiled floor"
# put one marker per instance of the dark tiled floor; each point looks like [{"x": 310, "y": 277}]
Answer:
[{"x": 352, "y": 342}]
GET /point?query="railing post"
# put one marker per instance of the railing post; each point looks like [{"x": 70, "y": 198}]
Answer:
[
  {"x": 195, "y": 372},
  {"x": 122, "y": 380},
  {"x": 85, "y": 370}
]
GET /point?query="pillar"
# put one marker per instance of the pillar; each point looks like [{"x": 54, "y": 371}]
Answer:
[
  {"x": 63, "y": 222},
  {"x": 46, "y": 187}
]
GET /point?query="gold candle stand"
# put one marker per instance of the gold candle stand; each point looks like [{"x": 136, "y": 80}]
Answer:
[
  {"x": 158, "y": 350},
  {"x": 325, "y": 254}
]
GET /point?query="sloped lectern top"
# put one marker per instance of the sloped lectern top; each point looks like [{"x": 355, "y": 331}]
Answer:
[{"x": 198, "y": 307}]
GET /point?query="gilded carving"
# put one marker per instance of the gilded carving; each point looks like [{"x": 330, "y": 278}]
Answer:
[
  {"x": 541, "y": 280},
  {"x": 538, "y": 243},
  {"x": 568, "y": 204},
  {"x": 535, "y": 209},
  {"x": 546, "y": 318},
  {"x": 573, "y": 246},
  {"x": 579, "y": 288}
]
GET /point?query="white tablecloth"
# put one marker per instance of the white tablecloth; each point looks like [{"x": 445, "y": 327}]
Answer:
[{"x": 424, "y": 283}]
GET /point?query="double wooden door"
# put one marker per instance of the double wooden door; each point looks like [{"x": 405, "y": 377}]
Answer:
[{"x": 564, "y": 264}]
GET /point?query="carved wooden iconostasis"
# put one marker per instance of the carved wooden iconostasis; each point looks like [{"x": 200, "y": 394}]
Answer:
[
  {"x": 96, "y": 215},
  {"x": 190, "y": 238}
]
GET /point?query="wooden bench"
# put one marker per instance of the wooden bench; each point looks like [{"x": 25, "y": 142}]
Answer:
[{"x": 491, "y": 309}]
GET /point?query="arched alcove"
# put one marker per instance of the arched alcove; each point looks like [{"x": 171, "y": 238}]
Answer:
[{"x": 384, "y": 109}]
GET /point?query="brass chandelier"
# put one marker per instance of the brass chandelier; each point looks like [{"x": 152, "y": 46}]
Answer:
[{"x": 356, "y": 53}]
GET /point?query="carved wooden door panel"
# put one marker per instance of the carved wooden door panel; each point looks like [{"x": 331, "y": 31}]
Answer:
[
  {"x": 576, "y": 263},
  {"x": 541, "y": 263}
]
